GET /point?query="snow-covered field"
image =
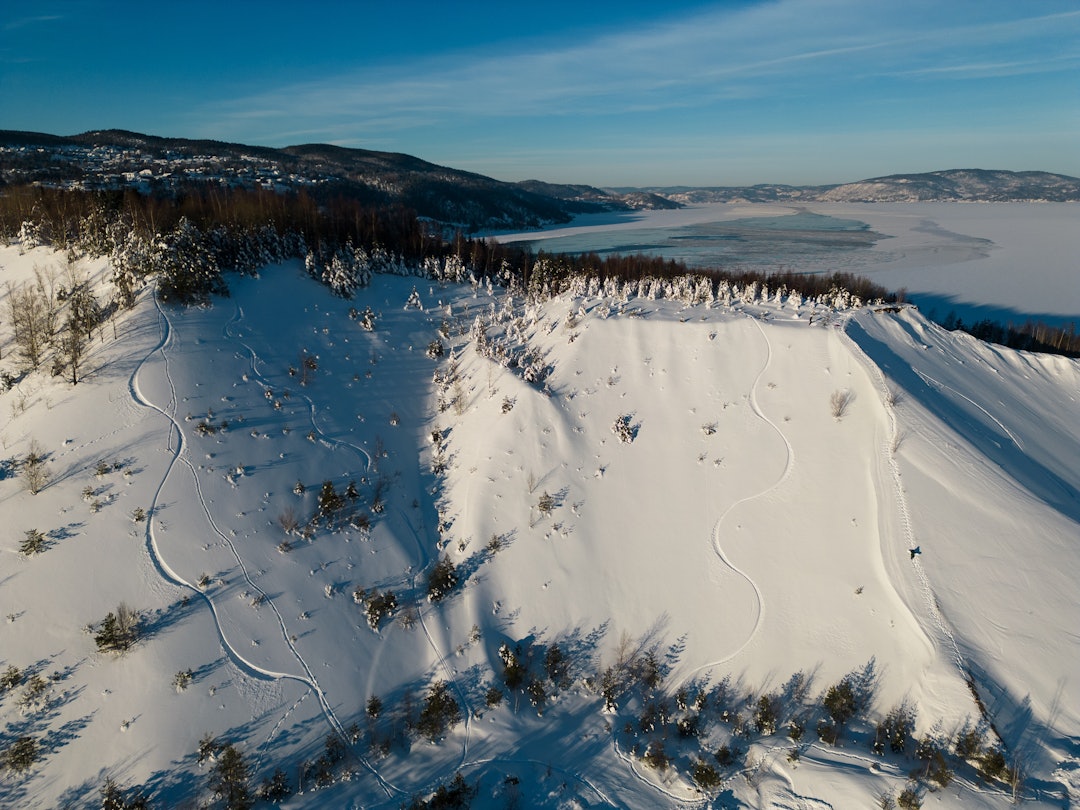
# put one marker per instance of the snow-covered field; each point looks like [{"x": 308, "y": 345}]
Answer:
[{"x": 752, "y": 538}]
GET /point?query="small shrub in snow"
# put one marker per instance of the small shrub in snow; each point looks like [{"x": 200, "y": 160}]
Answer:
[
  {"x": 11, "y": 679},
  {"x": 209, "y": 747},
  {"x": 275, "y": 789},
  {"x": 909, "y": 798},
  {"x": 442, "y": 580},
  {"x": 34, "y": 542},
  {"x": 493, "y": 697},
  {"x": 366, "y": 320},
  {"x": 21, "y": 754},
  {"x": 839, "y": 402},
  {"x": 377, "y": 606},
  {"x": 119, "y": 630},
  {"x": 537, "y": 694},
  {"x": 624, "y": 430},
  {"x": 35, "y": 696},
  {"x": 182, "y": 680},
  {"x": 138, "y": 515},
  {"x": 992, "y": 765},
  {"x": 35, "y": 471},
  {"x": 725, "y": 756},
  {"x": 288, "y": 520},
  {"x": 457, "y": 795},
  {"x": 705, "y": 775},
  {"x": 828, "y": 732},
  {"x": 409, "y": 617},
  {"x": 546, "y": 504},
  {"x": 113, "y": 797},
  {"x": 507, "y": 405},
  {"x": 435, "y": 349},
  {"x": 656, "y": 756}
]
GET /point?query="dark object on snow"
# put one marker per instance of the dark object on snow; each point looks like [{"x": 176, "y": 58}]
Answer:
[{"x": 914, "y": 551}]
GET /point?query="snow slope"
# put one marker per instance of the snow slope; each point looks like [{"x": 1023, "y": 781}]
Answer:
[{"x": 746, "y": 538}]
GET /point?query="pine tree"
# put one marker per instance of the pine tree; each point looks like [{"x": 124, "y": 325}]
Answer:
[
  {"x": 230, "y": 779},
  {"x": 330, "y": 502}
]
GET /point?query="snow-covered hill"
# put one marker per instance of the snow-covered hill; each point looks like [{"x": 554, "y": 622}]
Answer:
[{"x": 674, "y": 529}]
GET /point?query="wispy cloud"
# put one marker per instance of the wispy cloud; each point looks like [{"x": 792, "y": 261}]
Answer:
[
  {"x": 770, "y": 50},
  {"x": 22, "y": 22}
]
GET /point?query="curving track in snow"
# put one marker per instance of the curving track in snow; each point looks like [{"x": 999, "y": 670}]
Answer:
[
  {"x": 715, "y": 538},
  {"x": 167, "y": 572}
]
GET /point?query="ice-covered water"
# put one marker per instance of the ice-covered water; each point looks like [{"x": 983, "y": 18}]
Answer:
[
  {"x": 812, "y": 242},
  {"x": 1009, "y": 262}
]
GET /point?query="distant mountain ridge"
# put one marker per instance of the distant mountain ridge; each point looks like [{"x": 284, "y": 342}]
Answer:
[
  {"x": 113, "y": 159},
  {"x": 959, "y": 185},
  {"x": 950, "y": 185}
]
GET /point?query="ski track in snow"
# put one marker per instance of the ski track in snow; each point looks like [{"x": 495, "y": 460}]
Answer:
[
  {"x": 253, "y": 361},
  {"x": 424, "y": 558},
  {"x": 160, "y": 563},
  {"x": 933, "y": 609},
  {"x": 926, "y": 378},
  {"x": 789, "y": 465}
]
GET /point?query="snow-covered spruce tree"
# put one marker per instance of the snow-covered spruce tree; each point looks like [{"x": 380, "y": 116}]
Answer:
[
  {"x": 330, "y": 502},
  {"x": 440, "y": 712},
  {"x": 188, "y": 271},
  {"x": 30, "y": 234},
  {"x": 131, "y": 261},
  {"x": 442, "y": 580}
]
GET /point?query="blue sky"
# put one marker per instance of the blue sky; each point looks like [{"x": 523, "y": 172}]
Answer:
[{"x": 605, "y": 93}]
